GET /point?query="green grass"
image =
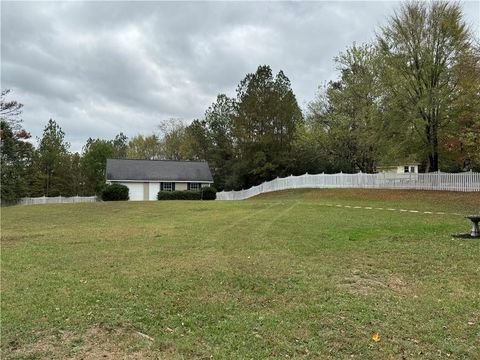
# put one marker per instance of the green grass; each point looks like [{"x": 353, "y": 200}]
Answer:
[{"x": 282, "y": 275}]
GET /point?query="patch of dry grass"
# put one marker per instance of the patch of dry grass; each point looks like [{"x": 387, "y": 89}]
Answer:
[{"x": 95, "y": 343}]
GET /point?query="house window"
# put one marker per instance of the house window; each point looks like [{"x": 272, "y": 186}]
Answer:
[
  {"x": 167, "y": 186},
  {"x": 194, "y": 186},
  {"x": 405, "y": 169},
  {"x": 412, "y": 169}
]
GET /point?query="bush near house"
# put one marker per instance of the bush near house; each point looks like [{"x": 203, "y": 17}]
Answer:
[
  {"x": 115, "y": 192},
  {"x": 207, "y": 193},
  {"x": 178, "y": 195}
]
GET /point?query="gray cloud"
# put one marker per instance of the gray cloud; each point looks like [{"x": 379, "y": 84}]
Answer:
[{"x": 99, "y": 68}]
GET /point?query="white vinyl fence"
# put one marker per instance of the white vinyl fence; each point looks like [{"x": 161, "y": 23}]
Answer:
[
  {"x": 57, "y": 200},
  {"x": 468, "y": 181}
]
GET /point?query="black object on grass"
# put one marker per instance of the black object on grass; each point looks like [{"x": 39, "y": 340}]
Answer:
[{"x": 475, "y": 232}]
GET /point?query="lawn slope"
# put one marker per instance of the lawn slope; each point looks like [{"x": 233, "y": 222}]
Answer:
[{"x": 289, "y": 274}]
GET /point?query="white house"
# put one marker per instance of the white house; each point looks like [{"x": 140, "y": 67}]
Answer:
[
  {"x": 145, "y": 178},
  {"x": 406, "y": 168}
]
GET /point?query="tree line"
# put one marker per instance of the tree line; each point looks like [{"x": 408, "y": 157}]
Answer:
[{"x": 412, "y": 94}]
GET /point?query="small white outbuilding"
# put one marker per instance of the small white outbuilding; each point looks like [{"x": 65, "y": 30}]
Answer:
[
  {"x": 145, "y": 178},
  {"x": 407, "y": 168}
]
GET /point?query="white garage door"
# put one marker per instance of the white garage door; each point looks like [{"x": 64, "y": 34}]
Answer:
[{"x": 135, "y": 191}]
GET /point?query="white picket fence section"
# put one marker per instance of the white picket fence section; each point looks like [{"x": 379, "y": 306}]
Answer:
[
  {"x": 466, "y": 182},
  {"x": 56, "y": 200}
]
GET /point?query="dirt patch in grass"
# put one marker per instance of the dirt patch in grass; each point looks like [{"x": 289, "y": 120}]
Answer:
[
  {"x": 39, "y": 349},
  {"x": 95, "y": 343},
  {"x": 363, "y": 283},
  {"x": 102, "y": 344},
  {"x": 12, "y": 239}
]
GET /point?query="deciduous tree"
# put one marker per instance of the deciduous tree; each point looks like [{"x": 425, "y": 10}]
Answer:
[
  {"x": 15, "y": 155},
  {"x": 145, "y": 147},
  {"x": 10, "y": 111},
  {"x": 423, "y": 47}
]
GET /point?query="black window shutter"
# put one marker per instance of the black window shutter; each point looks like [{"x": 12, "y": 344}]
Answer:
[
  {"x": 188, "y": 186},
  {"x": 173, "y": 186},
  {"x": 161, "y": 186}
]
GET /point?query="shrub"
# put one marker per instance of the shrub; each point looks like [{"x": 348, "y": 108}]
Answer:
[
  {"x": 178, "y": 195},
  {"x": 206, "y": 193},
  {"x": 209, "y": 193},
  {"x": 115, "y": 192}
]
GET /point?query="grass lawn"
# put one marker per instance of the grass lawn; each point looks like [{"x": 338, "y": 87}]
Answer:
[{"x": 284, "y": 275}]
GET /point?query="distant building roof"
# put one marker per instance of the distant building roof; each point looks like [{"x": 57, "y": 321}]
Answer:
[
  {"x": 398, "y": 164},
  {"x": 158, "y": 170}
]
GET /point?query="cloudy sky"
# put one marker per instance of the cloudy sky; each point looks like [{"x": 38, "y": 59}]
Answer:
[{"x": 100, "y": 68}]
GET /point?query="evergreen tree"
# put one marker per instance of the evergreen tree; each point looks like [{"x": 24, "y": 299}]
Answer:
[
  {"x": 218, "y": 137},
  {"x": 50, "y": 161},
  {"x": 266, "y": 118},
  {"x": 94, "y": 161}
]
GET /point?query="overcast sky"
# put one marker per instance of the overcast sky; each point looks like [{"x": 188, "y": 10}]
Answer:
[{"x": 100, "y": 68}]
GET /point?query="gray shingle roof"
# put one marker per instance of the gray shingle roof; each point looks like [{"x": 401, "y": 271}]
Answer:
[{"x": 158, "y": 170}]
